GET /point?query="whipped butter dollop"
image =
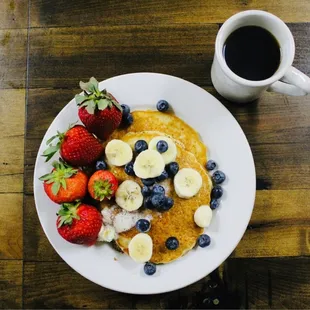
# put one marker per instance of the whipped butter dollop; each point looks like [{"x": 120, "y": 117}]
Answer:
[
  {"x": 121, "y": 221},
  {"x": 107, "y": 233}
]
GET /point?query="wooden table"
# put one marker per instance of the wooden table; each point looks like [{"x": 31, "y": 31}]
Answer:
[{"x": 47, "y": 46}]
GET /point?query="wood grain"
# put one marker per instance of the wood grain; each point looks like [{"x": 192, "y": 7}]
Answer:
[
  {"x": 70, "y": 54},
  {"x": 11, "y": 284},
  {"x": 46, "y": 13},
  {"x": 13, "y": 44},
  {"x": 55, "y": 278},
  {"x": 11, "y": 155},
  {"x": 13, "y": 14},
  {"x": 11, "y": 226},
  {"x": 12, "y": 105},
  {"x": 253, "y": 283},
  {"x": 270, "y": 283},
  {"x": 275, "y": 240}
]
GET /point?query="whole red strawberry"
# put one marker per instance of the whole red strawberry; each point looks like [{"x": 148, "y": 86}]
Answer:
[
  {"x": 77, "y": 146},
  {"x": 64, "y": 183},
  {"x": 79, "y": 223},
  {"x": 102, "y": 185},
  {"x": 99, "y": 111}
]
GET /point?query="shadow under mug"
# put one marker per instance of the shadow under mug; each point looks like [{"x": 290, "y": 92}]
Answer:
[{"x": 286, "y": 80}]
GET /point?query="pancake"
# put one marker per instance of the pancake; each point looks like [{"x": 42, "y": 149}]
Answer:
[
  {"x": 179, "y": 220},
  {"x": 170, "y": 125}
]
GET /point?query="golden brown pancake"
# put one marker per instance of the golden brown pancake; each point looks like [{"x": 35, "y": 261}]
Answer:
[
  {"x": 170, "y": 125},
  {"x": 179, "y": 220}
]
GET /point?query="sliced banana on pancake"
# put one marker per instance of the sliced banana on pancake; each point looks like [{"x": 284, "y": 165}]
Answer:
[
  {"x": 149, "y": 164},
  {"x": 128, "y": 196},
  {"x": 140, "y": 248},
  {"x": 187, "y": 182},
  {"x": 118, "y": 153},
  {"x": 168, "y": 156},
  {"x": 203, "y": 216}
]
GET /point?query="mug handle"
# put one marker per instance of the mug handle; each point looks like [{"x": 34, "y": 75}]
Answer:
[{"x": 296, "y": 83}]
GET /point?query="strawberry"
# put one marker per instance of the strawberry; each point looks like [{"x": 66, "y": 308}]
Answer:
[
  {"x": 102, "y": 185},
  {"x": 77, "y": 146},
  {"x": 64, "y": 183},
  {"x": 79, "y": 223},
  {"x": 99, "y": 111}
]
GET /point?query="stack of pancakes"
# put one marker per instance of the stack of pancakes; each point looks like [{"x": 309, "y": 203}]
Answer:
[{"x": 179, "y": 220}]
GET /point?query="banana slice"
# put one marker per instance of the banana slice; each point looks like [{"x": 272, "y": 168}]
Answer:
[
  {"x": 187, "y": 182},
  {"x": 140, "y": 248},
  {"x": 168, "y": 156},
  {"x": 149, "y": 164},
  {"x": 118, "y": 153},
  {"x": 203, "y": 216},
  {"x": 128, "y": 196}
]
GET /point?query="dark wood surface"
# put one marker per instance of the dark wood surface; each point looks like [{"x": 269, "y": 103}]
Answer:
[{"x": 47, "y": 46}]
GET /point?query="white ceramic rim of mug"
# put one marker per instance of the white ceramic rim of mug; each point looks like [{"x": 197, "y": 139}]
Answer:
[{"x": 220, "y": 42}]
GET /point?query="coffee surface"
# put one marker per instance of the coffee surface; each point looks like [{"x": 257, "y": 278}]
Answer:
[{"x": 252, "y": 53}]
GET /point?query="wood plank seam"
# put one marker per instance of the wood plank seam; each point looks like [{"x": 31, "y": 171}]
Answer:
[{"x": 25, "y": 125}]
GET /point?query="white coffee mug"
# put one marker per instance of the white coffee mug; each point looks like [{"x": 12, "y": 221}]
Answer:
[{"x": 286, "y": 80}]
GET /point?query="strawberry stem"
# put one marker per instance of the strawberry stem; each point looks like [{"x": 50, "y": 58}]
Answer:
[
  {"x": 102, "y": 189},
  {"x": 68, "y": 212},
  {"x": 58, "y": 176},
  {"x": 94, "y": 99}
]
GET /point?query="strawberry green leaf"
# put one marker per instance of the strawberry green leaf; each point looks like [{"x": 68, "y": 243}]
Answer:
[
  {"x": 55, "y": 188},
  {"x": 80, "y": 99},
  {"x": 51, "y": 139},
  {"x": 45, "y": 177},
  {"x": 68, "y": 212},
  {"x": 91, "y": 106},
  {"x": 50, "y": 152},
  {"x": 63, "y": 183},
  {"x": 102, "y": 104},
  {"x": 94, "y": 82},
  {"x": 91, "y": 86}
]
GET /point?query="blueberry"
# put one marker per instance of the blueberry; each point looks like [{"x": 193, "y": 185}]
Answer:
[
  {"x": 204, "y": 240},
  {"x": 127, "y": 120},
  {"x": 101, "y": 165},
  {"x": 149, "y": 268},
  {"x": 218, "y": 177},
  {"x": 143, "y": 225},
  {"x": 140, "y": 146},
  {"x": 214, "y": 204},
  {"x": 163, "y": 176},
  {"x": 217, "y": 192},
  {"x": 146, "y": 191},
  {"x": 148, "y": 203},
  {"x": 167, "y": 205},
  {"x": 162, "y": 106},
  {"x": 158, "y": 200},
  {"x": 158, "y": 189},
  {"x": 126, "y": 109},
  {"x": 211, "y": 165},
  {"x": 162, "y": 146},
  {"x": 172, "y": 243},
  {"x": 129, "y": 169},
  {"x": 172, "y": 168},
  {"x": 148, "y": 182}
]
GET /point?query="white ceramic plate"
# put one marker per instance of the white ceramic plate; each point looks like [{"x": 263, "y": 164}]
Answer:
[{"x": 227, "y": 145}]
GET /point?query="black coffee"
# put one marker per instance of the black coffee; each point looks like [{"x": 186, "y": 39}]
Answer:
[{"x": 252, "y": 52}]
